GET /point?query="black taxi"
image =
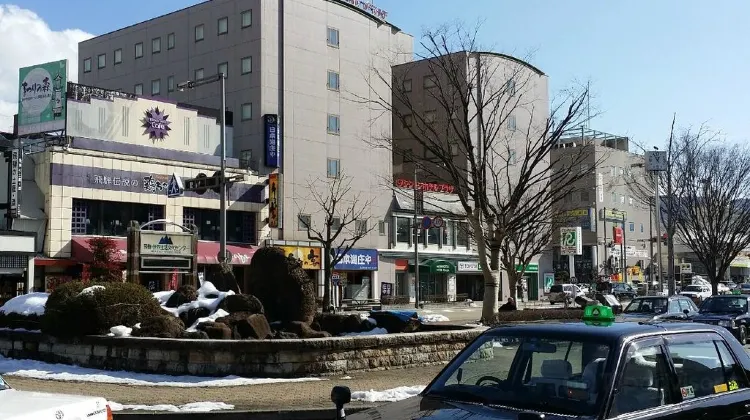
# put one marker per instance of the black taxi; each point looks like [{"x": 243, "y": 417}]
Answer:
[{"x": 595, "y": 369}]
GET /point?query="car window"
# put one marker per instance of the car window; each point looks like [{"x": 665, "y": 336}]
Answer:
[
  {"x": 647, "y": 305},
  {"x": 674, "y": 306},
  {"x": 693, "y": 288},
  {"x": 725, "y": 304},
  {"x": 705, "y": 367},
  {"x": 556, "y": 288},
  {"x": 644, "y": 383},
  {"x": 687, "y": 304}
]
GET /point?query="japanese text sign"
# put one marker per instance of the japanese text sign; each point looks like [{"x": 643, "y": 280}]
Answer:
[{"x": 359, "y": 259}]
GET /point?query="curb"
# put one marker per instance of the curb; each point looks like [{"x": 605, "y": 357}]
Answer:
[{"x": 293, "y": 414}]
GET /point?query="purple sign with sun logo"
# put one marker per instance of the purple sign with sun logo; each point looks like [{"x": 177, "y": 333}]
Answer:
[{"x": 156, "y": 124}]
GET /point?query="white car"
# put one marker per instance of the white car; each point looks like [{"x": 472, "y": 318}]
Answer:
[
  {"x": 697, "y": 292},
  {"x": 23, "y": 405}
]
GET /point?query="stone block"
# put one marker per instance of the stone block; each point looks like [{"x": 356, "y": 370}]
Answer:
[{"x": 99, "y": 350}]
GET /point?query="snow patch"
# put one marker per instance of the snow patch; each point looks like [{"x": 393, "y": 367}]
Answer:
[
  {"x": 389, "y": 395},
  {"x": 208, "y": 297},
  {"x": 195, "y": 407},
  {"x": 30, "y": 304},
  {"x": 211, "y": 318},
  {"x": 427, "y": 318},
  {"x": 68, "y": 373},
  {"x": 91, "y": 290},
  {"x": 163, "y": 297},
  {"x": 120, "y": 331},
  {"x": 376, "y": 331}
]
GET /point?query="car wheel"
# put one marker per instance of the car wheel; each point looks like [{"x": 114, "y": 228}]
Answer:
[{"x": 742, "y": 335}]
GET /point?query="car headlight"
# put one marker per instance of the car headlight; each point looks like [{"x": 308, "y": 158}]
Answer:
[{"x": 726, "y": 323}]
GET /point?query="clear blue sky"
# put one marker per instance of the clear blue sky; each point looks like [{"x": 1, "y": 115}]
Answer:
[{"x": 645, "y": 59}]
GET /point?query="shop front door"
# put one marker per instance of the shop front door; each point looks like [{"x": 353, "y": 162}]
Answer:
[{"x": 533, "y": 284}]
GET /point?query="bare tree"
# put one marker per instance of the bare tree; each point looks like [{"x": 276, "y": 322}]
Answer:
[
  {"x": 339, "y": 220},
  {"x": 711, "y": 210},
  {"x": 484, "y": 125}
]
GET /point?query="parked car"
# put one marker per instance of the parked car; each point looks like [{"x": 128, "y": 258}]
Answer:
[
  {"x": 744, "y": 288},
  {"x": 728, "y": 311},
  {"x": 657, "y": 308},
  {"x": 698, "y": 293},
  {"x": 623, "y": 291},
  {"x": 560, "y": 293},
  {"x": 589, "y": 371},
  {"x": 23, "y": 405}
]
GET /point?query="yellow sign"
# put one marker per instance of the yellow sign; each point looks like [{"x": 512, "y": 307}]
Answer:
[
  {"x": 720, "y": 388},
  {"x": 577, "y": 213},
  {"x": 310, "y": 256},
  {"x": 615, "y": 215}
]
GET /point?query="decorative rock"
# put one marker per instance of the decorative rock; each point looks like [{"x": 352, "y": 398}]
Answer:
[
  {"x": 193, "y": 314},
  {"x": 393, "y": 324},
  {"x": 194, "y": 335},
  {"x": 303, "y": 330},
  {"x": 247, "y": 325},
  {"x": 241, "y": 303},
  {"x": 337, "y": 324},
  {"x": 162, "y": 326},
  {"x": 216, "y": 330},
  {"x": 182, "y": 295}
]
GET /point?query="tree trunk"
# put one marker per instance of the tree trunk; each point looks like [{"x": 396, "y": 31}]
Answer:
[
  {"x": 491, "y": 276},
  {"x": 326, "y": 278}
]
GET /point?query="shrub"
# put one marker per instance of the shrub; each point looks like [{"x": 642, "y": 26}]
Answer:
[
  {"x": 283, "y": 287},
  {"x": 161, "y": 326},
  {"x": 72, "y": 314},
  {"x": 530, "y": 315},
  {"x": 15, "y": 321}
]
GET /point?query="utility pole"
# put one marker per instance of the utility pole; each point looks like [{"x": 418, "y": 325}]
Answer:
[
  {"x": 623, "y": 251},
  {"x": 418, "y": 200}
]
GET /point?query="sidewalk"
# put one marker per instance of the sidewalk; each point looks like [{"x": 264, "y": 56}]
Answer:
[{"x": 287, "y": 395}]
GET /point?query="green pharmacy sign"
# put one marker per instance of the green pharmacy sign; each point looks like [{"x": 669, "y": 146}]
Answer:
[{"x": 41, "y": 98}]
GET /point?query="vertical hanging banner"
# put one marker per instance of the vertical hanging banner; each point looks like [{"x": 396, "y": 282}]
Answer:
[
  {"x": 274, "y": 202},
  {"x": 16, "y": 182},
  {"x": 271, "y": 140}
]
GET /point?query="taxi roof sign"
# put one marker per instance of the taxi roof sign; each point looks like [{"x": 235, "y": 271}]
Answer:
[{"x": 599, "y": 313}]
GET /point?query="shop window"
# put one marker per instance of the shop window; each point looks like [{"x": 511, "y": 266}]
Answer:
[
  {"x": 403, "y": 230},
  {"x": 448, "y": 234},
  {"x": 109, "y": 218},
  {"x": 433, "y": 236},
  {"x": 240, "y": 224},
  {"x": 462, "y": 234}
]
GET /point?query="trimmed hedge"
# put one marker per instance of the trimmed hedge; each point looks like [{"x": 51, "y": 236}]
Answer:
[
  {"x": 15, "y": 321},
  {"x": 530, "y": 315},
  {"x": 70, "y": 314}
]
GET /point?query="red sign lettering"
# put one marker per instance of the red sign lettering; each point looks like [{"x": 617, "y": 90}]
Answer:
[
  {"x": 617, "y": 233},
  {"x": 425, "y": 186}
]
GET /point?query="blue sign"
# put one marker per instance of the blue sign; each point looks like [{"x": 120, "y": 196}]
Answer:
[
  {"x": 271, "y": 138},
  {"x": 359, "y": 259},
  {"x": 175, "y": 187}
]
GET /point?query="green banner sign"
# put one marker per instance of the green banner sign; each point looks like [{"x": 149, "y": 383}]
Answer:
[
  {"x": 531, "y": 268},
  {"x": 42, "y": 98}
]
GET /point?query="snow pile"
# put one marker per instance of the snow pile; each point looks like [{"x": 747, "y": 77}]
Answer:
[
  {"x": 91, "y": 290},
  {"x": 163, "y": 297},
  {"x": 389, "y": 395},
  {"x": 120, "y": 331},
  {"x": 195, "y": 407},
  {"x": 30, "y": 304},
  {"x": 374, "y": 331},
  {"x": 68, "y": 373},
  {"x": 427, "y": 318},
  {"x": 209, "y": 297}
]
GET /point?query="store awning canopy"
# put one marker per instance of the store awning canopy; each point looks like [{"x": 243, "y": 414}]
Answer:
[
  {"x": 435, "y": 266},
  {"x": 208, "y": 251}
]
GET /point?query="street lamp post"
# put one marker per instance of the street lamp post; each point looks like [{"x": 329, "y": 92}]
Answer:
[{"x": 192, "y": 84}]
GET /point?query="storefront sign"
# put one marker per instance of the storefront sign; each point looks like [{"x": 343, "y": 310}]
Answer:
[
  {"x": 549, "y": 280},
  {"x": 41, "y": 98},
  {"x": 273, "y": 201},
  {"x": 617, "y": 235},
  {"x": 309, "y": 256},
  {"x": 359, "y": 259},
  {"x": 16, "y": 182},
  {"x": 571, "y": 242},
  {"x": 156, "y": 124},
  {"x": 613, "y": 215},
  {"x": 468, "y": 266},
  {"x": 531, "y": 268},
  {"x": 161, "y": 243},
  {"x": 271, "y": 133},
  {"x": 581, "y": 217},
  {"x": 425, "y": 186},
  {"x": 370, "y": 8},
  {"x": 386, "y": 290}
]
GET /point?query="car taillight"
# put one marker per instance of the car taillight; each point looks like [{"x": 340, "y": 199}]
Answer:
[{"x": 110, "y": 416}]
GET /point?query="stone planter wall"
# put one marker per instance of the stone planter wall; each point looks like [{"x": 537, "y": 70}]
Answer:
[{"x": 266, "y": 358}]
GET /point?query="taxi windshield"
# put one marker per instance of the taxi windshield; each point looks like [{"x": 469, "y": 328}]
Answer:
[
  {"x": 527, "y": 373},
  {"x": 646, "y": 306},
  {"x": 724, "y": 304},
  {"x": 693, "y": 288}
]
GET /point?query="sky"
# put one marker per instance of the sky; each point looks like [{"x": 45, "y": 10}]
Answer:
[{"x": 645, "y": 60}]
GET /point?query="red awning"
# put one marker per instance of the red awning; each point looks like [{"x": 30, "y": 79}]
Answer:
[
  {"x": 81, "y": 251},
  {"x": 42, "y": 261},
  {"x": 208, "y": 251}
]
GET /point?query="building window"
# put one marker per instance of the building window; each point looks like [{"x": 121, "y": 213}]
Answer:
[
  {"x": 429, "y": 82},
  {"x": 87, "y": 65},
  {"x": 155, "y": 87},
  {"x": 407, "y": 85},
  {"x": 303, "y": 222},
  {"x": 430, "y": 116},
  {"x": 448, "y": 234},
  {"x": 584, "y": 168},
  {"x": 198, "y": 74},
  {"x": 512, "y": 122},
  {"x": 333, "y": 37},
  {"x": 630, "y": 200},
  {"x": 247, "y": 65},
  {"x": 170, "y": 41},
  {"x": 247, "y": 111},
  {"x": 95, "y": 217},
  {"x": 118, "y": 56},
  {"x": 79, "y": 217},
  {"x": 335, "y": 224},
  {"x": 199, "y": 33},
  {"x": 333, "y": 168},
  {"x": 632, "y": 227},
  {"x": 381, "y": 228},
  {"x": 139, "y": 50},
  {"x": 240, "y": 224},
  {"x": 247, "y": 18},
  {"x": 223, "y": 68},
  {"x": 360, "y": 227},
  {"x": 101, "y": 61},
  {"x": 512, "y": 157},
  {"x": 641, "y": 227},
  {"x": 585, "y": 196},
  {"x": 223, "y": 25},
  {"x": 156, "y": 46},
  {"x": 333, "y": 80},
  {"x": 170, "y": 83},
  {"x": 403, "y": 229},
  {"x": 138, "y": 89},
  {"x": 433, "y": 236},
  {"x": 334, "y": 124},
  {"x": 462, "y": 234},
  {"x": 614, "y": 197},
  {"x": 408, "y": 120},
  {"x": 510, "y": 87}
]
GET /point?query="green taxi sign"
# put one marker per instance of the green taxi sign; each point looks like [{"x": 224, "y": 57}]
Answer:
[
  {"x": 736, "y": 292},
  {"x": 598, "y": 313}
]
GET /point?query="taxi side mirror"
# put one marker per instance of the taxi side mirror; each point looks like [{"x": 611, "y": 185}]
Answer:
[
  {"x": 340, "y": 396},
  {"x": 686, "y": 311}
]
